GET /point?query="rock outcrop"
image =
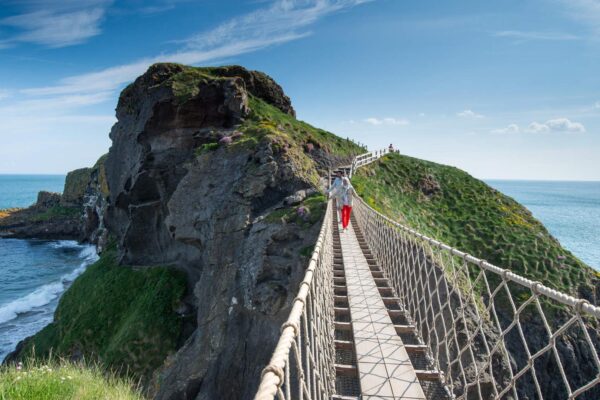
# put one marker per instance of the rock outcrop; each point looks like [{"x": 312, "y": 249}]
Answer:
[
  {"x": 194, "y": 172},
  {"x": 46, "y": 219},
  {"x": 76, "y": 214},
  {"x": 211, "y": 174}
]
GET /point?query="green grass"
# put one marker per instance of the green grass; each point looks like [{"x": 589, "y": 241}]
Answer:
[
  {"x": 121, "y": 317},
  {"x": 56, "y": 212},
  {"x": 61, "y": 380},
  {"x": 267, "y": 118},
  {"x": 264, "y": 118},
  {"x": 315, "y": 205},
  {"x": 470, "y": 215},
  {"x": 207, "y": 147}
]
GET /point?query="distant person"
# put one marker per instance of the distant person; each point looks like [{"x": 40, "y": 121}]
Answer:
[
  {"x": 335, "y": 192},
  {"x": 391, "y": 148},
  {"x": 347, "y": 193}
]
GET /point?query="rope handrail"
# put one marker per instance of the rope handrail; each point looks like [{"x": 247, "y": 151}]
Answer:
[
  {"x": 486, "y": 328},
  {"x": 554, "y": 294},
  {"x": 307, "y": 335}
]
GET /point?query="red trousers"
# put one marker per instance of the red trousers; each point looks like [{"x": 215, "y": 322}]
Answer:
[{"x": 346, "y": 210}]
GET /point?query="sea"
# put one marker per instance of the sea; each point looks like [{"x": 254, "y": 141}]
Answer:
[
  {"x": 570, "y": 211},
  {"x": 35, "y": 273}
]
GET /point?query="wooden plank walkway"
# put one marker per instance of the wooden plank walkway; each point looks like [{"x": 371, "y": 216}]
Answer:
[{"x": 385, "y": 370}]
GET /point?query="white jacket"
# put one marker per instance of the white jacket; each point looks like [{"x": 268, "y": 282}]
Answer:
[{"x": 335, "y": 187}]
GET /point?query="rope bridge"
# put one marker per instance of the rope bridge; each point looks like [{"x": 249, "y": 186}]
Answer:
[{"x": 472, "y": 330}]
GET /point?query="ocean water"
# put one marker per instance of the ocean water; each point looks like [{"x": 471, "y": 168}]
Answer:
[
  {"x": 33, "y": 276},
  {"x": 22, "y": 190},
  {"x": 570, "y": 211},
  {"x": 33, "y": 273}
]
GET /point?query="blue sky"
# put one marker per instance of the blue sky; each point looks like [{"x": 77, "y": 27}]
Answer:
[{"x": 503, "y": 89}]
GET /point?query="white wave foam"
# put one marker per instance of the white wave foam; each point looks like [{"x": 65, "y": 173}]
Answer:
[
  {"x": 65, "y": 244},
  {"x": 47, "y": 293},
  {"x": 38, "y": 298},
  {"x": 88, "y": 253}
]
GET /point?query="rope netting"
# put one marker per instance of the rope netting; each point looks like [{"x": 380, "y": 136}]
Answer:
[
  {"x": 303, "y": 363},
  {"x": 491, "y": 333}
]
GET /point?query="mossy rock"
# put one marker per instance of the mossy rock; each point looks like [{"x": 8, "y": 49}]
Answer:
[{"x": 76, "y": 183}]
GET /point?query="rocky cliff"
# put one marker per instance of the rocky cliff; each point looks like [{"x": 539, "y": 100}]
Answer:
[
  {"x": 207, "y": 170},
  {"x": 75, "y": 214},
  {"x": 201, "y": 160}
]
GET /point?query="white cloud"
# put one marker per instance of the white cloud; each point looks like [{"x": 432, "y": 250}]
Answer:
[
  {"x": 56, "y": 24},
  {"x": 565, "y": 125},
  {"x": 556, "y": 125},
  {"x": 597, "y": 105},
  {"x": 283, "y": 21},
  {"x": 511, "y": 128},
  {"x": 535, "y": 35},
  {"x": 469, "y": 114},
  {"x": 585, "y": 11},
  {"x": 42, "y": 109},
  {"x": 422, "y": 114},
  {"x": 552, "y": 125},
  {"x": 4, "y": 94},
  {"x": 536, "y": 127},
  {"x": 386, "y": 121}
]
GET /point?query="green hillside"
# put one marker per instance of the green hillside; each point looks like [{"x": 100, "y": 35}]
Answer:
[
  {"x": 451, "y": 206},
  {"x": 119, "y": 316}
]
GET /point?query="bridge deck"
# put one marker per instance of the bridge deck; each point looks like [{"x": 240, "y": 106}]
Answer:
[{"x": 385, "y": 369}]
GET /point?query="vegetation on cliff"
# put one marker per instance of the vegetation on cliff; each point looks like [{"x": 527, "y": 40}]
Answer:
[
  {"x": 62, "y": 380},
  {"x": 267, "y": 116},
  {"x": 449, "y": 205},
  {"x": 123, "y": 317}
]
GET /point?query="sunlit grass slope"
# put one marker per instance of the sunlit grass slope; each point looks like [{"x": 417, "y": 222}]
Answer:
[
  {"x": 61, "y": 380},
  {"x": 123, "y": 318},
  {"x": 451, "y": 206}
]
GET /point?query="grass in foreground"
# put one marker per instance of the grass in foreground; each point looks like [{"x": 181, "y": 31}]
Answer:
[{"x": 61, "y": 380}]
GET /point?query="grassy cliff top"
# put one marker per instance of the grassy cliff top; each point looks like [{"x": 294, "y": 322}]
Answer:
[
  {"x": 451, "y": 206},
  {"x": 266, "y": 112}
]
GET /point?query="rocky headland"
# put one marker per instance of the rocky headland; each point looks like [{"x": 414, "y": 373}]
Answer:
[
  {"x": 211, "y": 181},
  {"x": 205, "y": 211}
]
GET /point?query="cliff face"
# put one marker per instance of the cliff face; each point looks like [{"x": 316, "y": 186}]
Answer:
[
  {"x": 195, "y": 174},
  {"x": 206, "y": 173}
]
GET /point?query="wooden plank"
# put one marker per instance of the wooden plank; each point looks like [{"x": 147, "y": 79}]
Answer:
[
  {"x": 346, "y": 370},
  {"x": 428, "y": 375}
]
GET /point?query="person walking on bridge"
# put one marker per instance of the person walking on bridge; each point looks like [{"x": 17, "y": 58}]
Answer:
[
  {"x": 347, "y": 193},
  {"x": 336, "y": 192}
]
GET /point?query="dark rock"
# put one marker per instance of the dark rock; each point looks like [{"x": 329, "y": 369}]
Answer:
[
  {"x": 429, "y": 186},
  {"x": 76, "y": 184},
  {"x": 204, "y": 214},
  {"x": 46, "y": 200},
  {"x": 260, "y": 85}
]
